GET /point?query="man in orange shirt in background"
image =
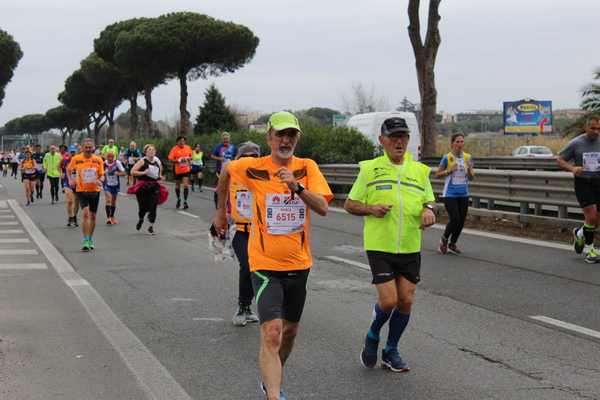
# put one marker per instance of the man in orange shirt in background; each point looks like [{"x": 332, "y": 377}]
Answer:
[
  {"x": 88, "y": 178},
  {"x": 284, "y": 188},
  {"x": 181, "y": 157}
]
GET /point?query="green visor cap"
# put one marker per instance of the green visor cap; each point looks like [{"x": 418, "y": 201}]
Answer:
[{"x": 283, "y": 120}]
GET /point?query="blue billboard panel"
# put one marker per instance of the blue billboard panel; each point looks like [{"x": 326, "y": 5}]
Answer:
[{"x": 527, "y": 117}]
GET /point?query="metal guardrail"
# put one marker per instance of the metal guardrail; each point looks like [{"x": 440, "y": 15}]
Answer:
[
  {"x": 512, "y": 163},
  {"x": 517, "y": 189}
]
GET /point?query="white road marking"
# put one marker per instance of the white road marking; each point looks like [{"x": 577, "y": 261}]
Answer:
[
  {"x": 349, "y": 262},
  {"x": 7, "y": 217},
  {"x": 490, "y": 235},
  {"x": 15, "y": 240},
  {"x": 188, "y": 214},
  {"x": 3, "y": 204},
  {"x": 208, "y": 319},
  {"x": 18, "y": 252},
  {"x": 11, "y": 231},
  {"x": 182, "y": 299},
  {"x": 153, "y": 378},
  {"x": 566, "y": 325},
  {"x": 40, "y": 266},
  {"x": 12, "y": 223}
]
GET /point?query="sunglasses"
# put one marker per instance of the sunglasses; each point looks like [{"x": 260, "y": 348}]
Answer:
[
  {"x": 290, "y": 133},
  {"x": 249, "y": 155}
]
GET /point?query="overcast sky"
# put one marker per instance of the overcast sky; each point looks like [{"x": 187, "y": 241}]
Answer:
[{"x": 312, "y": 52}]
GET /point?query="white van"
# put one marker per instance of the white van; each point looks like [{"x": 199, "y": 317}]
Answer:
[{"x": 369, "y": 124}]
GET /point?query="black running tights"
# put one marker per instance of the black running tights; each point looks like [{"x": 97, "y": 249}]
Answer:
[
  {"x": 457, "y": 208},
  {"x": 147, "y": 197}
]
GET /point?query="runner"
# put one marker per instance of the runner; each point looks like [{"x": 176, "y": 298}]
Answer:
[
  {"x": 113, "y": 170},
  {"x": 14, "y": 164},
  {"x": 394, "y": 194},
  {"x": 223, "y": 153},
  {"x": 111, "y": 147},
  {"x": 148, "y": 190},
  {"x": 457, "y": 169},
  {"x": 283, "y": 188},
  {"x": 181, "y": 155},
  {"x": 132, "y": 155},
  {"x": 241, "y": 213},
  {"x": 69, "y": 185},
  {"x": 52, "y": 161},
  {"x": 89, "y": 170},
  {"x": 28, "y": 175},
  {"x": 38, "y": 156},
  {"x": 582, "y": 158},
  {"x": 197, "y": 165}
]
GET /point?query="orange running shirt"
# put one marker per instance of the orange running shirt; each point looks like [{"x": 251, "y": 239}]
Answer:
[
  {"x": 176, "y": 153},
  {"x": 88, "y": 170},
  {"x": 279, "y": 236},
  {"x": 28, "y": 166}
]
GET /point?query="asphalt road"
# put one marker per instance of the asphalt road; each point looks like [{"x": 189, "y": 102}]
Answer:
[{"x": 471, "y": 335}]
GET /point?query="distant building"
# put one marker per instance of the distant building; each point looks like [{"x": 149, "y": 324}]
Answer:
[
  {"x": 448, "y": 117},
  {"x": 477, "y": 115},
  {"x": 570, "y": 113},
  {"x": 246, "y": 119}
]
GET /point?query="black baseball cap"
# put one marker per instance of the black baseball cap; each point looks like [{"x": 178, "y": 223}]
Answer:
[{"x": 394, "y": 125}]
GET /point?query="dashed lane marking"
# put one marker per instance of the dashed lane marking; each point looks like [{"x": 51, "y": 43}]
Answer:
[
  {"x": 337, "y": 259},
  {"x": 18, "y": 252},
  {"x": 567, "y": 326},
  {"x": 187, "y": 214},
  {"x": 11, "y": 231},
  {"x": 14, "y": 240},
  {"x": 18, "y": 267}
]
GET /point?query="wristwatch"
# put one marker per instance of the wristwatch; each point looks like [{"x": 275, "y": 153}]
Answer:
[
  {"x": 429, "y": 206},
  {"x": 300, "y": 189}
]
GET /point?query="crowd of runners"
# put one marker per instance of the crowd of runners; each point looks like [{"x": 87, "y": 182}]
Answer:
[{"x": 267, "y": 202}]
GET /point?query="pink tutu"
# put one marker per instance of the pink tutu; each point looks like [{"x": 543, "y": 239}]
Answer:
[{"x": 163, "y": 192}]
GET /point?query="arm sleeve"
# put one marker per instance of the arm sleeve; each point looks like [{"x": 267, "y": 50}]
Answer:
[
  {"x": 237, "y": 171},
  {"x": 359, "y": 188},
  {"x": 215, "y": 151},
  {"x": 45, "y": 161},
  {"x": 444, "y": 162},
  {"x": 120, "y": 166},
  {"x": 171, "y": 155},
  {"x": 316, "y": 182}
]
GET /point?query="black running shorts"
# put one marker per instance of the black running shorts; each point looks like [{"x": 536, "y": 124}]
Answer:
[
  {"x": 179, "y": 177},
  {"x": 587, "y": 191},
  {"x": 280, "y": 295},
  {"x": 387, "y": 266},
  {"x": 89, "y": 199}
]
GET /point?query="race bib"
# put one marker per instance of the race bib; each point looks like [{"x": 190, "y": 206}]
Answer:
[
  {"x": 112, "y": 180},
  {"x": 89, "y": 175},
  {"x": 284, "y": 214},
  {"x": 130, "y": 161},
  {"x": 197, "y": 163},
  {"x": 153, "y": 171},
  {"x": 30, "y": 171},
  {"x": 459, "y": 176},
  {"x": 591, "y": 162},
  {"x": 183, "y": 162},
  {"x": 243, "y": 202}
]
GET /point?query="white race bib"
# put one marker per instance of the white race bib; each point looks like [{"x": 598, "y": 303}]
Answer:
[
  {"x": 112, "y": 180},
  {"x": 591, "y": 162},
  {"x": 243, "y": 202},
  {"x": 89, "y": 175},
  {"x": 284, "y": 214},
  {"x": 459, "y": 176},
  {"x": 130, "y": 161},
  {"x": 153, "y": 171},
  {"x": 30, "y": 171}
]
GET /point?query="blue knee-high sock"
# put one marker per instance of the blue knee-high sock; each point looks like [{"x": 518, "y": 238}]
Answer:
[
  {"x": 380, "y": 318},
  {"x": 398, "y": 323}
]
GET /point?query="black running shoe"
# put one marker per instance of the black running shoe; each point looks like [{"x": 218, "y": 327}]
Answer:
[
  {"x": 185, "y": 205},
  {"x": 151, "y": 230},
  {"x": 138, "y": 226},
  {"x": 178, "y": 204}
]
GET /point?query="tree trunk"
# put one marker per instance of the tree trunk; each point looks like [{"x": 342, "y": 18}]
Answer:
[
  {"x": 110, "y": 117},
  {"x": 425, "y": 56},
  {"x": 63, "y": 136},
  {"x": 70, "y": 132},
  {"x": 133, "y": 116},
  {"x": 183, "y": 98},
  {"x": 148, "y": 113}
]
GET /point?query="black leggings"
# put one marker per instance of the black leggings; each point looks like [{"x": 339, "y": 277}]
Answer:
[
  {"x": 457, "y": 208},
  {"x": 53, "y": 187},
  {"x": 13, "y": 169},
  {"x": 147, "y": 197},
  {"x": 240, "y": 246}
]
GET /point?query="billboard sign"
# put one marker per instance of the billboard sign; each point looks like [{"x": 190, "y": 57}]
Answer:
[{"x": 527, "y": 117}]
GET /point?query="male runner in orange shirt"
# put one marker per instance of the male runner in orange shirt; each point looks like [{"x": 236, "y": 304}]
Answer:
[
  {"x": 284, "y": 188},
  {"x": 181, "y": 156},
  {"x": 89, "y": 175}
]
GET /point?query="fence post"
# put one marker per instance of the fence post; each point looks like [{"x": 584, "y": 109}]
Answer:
[
  {"x": 491, "y": 203},
  {"x": 563, "y": 212},
  {"x": 538, "y": 209},
  {"x": 524, "y": 208}
]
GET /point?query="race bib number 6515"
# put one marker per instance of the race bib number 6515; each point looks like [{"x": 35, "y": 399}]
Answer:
[{"x": 284, "y": 214}]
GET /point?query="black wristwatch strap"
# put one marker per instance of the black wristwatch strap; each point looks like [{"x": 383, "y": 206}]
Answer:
[{"x": 300, "y": 189}]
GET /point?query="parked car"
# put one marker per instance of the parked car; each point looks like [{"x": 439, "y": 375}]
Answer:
[
  {"x": 369, "y": 125},
  {"x": 533, "y": 152}
]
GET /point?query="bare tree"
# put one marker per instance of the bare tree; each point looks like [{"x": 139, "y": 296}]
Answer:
[
  {"x": 361, "y": 101},
  {"x": 425, "y": 55}
]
